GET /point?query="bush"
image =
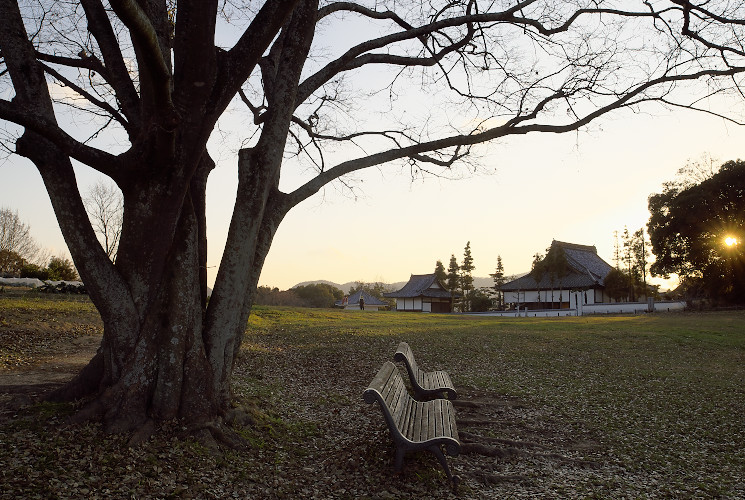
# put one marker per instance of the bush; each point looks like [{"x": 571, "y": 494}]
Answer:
[
  {"x": 319, "y": 294},
  {"x": 34, "y": 271},
  {"x": 63, "y": 288},
  {"x": 480, "y": 302},
  {"x": 61, "y": 269}
]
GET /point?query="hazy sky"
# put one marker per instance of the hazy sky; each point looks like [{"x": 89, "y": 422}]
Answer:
[{"x": 578, "y": 187}]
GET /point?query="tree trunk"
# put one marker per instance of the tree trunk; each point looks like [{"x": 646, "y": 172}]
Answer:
[
  {"x": 173, "y": 357},
  {"x": 165, "y": 352}
]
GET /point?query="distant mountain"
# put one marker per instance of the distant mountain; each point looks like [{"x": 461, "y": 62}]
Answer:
[{"x": 344, "y": 287}]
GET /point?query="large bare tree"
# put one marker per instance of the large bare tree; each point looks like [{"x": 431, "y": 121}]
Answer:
[
  {"x": 104, "y": 205},
  {"x": 149, "y": 76},
  {"x": 15, "y": 236}
]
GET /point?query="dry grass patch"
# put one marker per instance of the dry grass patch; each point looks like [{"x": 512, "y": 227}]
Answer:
[{"x": 602, "y": 407}]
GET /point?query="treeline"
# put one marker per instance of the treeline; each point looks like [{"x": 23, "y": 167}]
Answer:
[
  {"x": 320, "y": 295},
  {"x": 458, "y": 280},
  {"x": 22, "y": 257},
  {"x": 58, "y": 268},
  {"x": 627, "y": 281},
  {"x": 314, "y": 295}
]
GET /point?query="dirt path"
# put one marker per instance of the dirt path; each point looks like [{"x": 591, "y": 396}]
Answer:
[
  {"x": 55, "y": 369},
  {"x": 24, "y": 386}
]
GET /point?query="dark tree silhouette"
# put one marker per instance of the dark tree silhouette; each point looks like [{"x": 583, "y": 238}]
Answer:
[{"x": 698, "y": 232}]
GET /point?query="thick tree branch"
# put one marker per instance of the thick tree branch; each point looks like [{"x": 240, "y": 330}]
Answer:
[
  {"x": 144, "y": 33},
  {"x": 194, "y": 41},
  {"x": 155, "y": 72},
  {"x": 105, "y": 106},
  {"x": 95, "y": 158},
  {"x": 116, "y": 73},
  {"x": 236, "y": 65}
]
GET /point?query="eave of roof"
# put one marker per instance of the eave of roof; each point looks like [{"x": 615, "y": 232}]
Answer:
[{"x": 420, "y": 285}]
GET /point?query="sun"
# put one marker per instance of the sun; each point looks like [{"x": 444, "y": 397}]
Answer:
[{"x": 730, "y": 241}]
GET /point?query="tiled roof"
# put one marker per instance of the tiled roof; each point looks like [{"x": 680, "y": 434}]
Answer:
[
  {"x": 420, "y": 285},
  {"x": 586, "y": 270},
  {"x": 370, "y": 300}
]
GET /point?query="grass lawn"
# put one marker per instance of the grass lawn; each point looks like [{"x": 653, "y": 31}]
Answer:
[
  {"x": 662, "y": 395},
  {"x": 646, "y": 406}
]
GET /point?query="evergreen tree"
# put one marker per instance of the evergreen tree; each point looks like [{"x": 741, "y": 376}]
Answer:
[
  {"x": 499, "y": 280},
  {"x": 440, "y": 272},
  {"x": 639, "y": 249},
  {"x": 452, "y": 278},
  {"x": 628, "y": 258},
  {"x": 616, "y": 250},
  {"x": 62, "y": 269},
  {"x": 466, "y": 277},
  {"x": 537, "y": 271}
]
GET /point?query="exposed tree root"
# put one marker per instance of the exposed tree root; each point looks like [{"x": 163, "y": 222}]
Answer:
[
  {"x": 93, "y": 411},
  {"x": 489, "y": 478},
  {"x": 84, "y": 384},
  {"x": 470, "y": 437},
  {"x": 489, "y": 451},
  {"x": 241, "y": 416},
  {"x": 476, "y": 445},
  {"x": 215, "y": 436},
  {"x": 462, "y": 403},
  {"x": 142, "y": 433},
  {"x": 569, "y": 460}
]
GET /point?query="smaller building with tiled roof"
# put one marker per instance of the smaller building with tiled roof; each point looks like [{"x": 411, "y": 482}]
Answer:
[
  {"x": 578, "y": 280},
  {"x": 423, "y": 293},
  {"x": 369, "y": 302}
]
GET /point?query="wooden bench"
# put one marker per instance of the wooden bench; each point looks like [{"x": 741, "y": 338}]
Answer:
[
  {"x": 426, "y": 385},
  {"x": 414, "y": 425}
]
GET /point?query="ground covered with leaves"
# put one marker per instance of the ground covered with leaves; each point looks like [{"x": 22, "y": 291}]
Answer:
[{"x": 605, "y": 407}]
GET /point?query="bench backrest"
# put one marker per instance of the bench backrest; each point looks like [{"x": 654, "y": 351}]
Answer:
[
  {"x": 389, "y": 388},
  {"x": 404, "y": 354}
]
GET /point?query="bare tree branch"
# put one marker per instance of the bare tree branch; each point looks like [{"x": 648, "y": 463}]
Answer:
[
  {"x": 511, "y": 127},
  {"x": 100, "y": 160},
  {"x": 151, "y": 54},
  {"x": 90, "y": 98},
  {"x": 115, "y": 73}
]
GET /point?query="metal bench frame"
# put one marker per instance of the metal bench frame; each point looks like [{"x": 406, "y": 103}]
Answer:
[
  {"x": 414, "y": 425},
  {"x": 426, "y": 385}
]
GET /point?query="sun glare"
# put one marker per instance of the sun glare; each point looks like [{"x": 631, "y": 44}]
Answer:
[{"x": 730, "y": 241}]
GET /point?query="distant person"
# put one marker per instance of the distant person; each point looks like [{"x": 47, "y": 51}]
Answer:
[{"x": 362, "y": 303}]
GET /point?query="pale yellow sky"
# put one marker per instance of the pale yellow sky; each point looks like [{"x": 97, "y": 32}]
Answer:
[{"x": 578, "y": 188}]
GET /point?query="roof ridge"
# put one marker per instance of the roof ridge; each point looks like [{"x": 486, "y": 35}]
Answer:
[{"x": 575, "y": 246}]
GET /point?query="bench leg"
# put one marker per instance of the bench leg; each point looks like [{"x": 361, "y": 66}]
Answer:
[
  {"x": 443, "y": 461},
  {"x": 398, "y": 464}
]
